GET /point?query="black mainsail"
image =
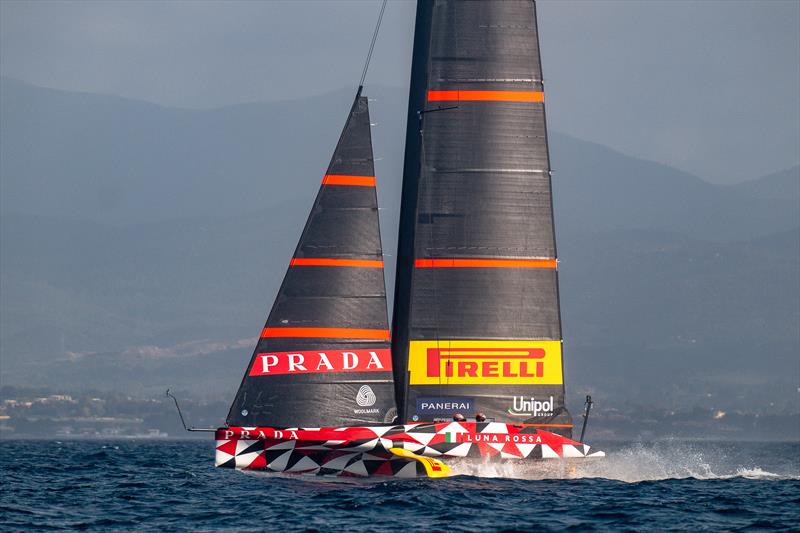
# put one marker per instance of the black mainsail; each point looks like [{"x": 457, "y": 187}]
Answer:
[
  {"x": 476, "y": 324},
  {"x": 323, "y": 357}
]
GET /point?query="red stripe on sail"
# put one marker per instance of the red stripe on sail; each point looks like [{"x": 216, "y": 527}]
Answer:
[
  {"x": 359, "y": 181},
  {"x": 485, "y": 96},
  {"x": 326, "y": 333},
  {"x": 486, "y": 263},
  {"x": 319, "y": 261}
]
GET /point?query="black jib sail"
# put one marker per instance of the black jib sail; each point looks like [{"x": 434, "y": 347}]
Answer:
[
  {"x": 324, "y": 356},
  {"x": 476, "y": 317}
]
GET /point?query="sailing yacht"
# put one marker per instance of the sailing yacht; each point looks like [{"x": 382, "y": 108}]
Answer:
[{"x": 472, "y": 366}]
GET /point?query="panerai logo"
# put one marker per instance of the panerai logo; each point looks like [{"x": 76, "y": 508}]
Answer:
[
  {"x": 365, "y": 397},
  {"x": 445, "y": 405},
  {"x": 531, "y": 407}
]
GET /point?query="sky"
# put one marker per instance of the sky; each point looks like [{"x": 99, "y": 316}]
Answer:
[{"x": 710, "y": 87}]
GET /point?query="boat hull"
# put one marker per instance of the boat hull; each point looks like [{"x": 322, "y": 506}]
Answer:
[{"x": 366, "y": 451}]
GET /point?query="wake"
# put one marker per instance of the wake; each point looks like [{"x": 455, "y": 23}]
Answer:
[{"x": 645, "y": 462}]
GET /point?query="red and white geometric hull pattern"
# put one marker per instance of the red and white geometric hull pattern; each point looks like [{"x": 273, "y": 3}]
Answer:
[{"x": 364, "y": 451}]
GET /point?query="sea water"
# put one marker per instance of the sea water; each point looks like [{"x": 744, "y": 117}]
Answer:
[{"x": 173, "y": 486}]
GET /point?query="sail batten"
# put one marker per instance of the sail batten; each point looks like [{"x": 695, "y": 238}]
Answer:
[{"x": 477, "y": 311}]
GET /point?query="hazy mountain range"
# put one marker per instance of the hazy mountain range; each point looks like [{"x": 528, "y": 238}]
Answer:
[{"x": 141, "y": 247}]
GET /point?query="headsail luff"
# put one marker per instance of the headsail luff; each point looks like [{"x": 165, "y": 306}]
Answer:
[
  {"x": 476, "y": 317},
  {"x": 323, "y": 357}
]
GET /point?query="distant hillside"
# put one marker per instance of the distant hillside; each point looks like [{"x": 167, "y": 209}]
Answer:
[
  {"x": 670, "y": 310},
  {"x": 599, "y": 189},
  {"x": 140, "y": 247},
  {"x": 112, "y": 160},
  {"x": 781, "y": 186},
  {"x": 132, "y": 306}
]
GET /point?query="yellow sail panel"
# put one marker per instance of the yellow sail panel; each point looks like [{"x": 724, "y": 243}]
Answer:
[{"x": 485, "y": 362}]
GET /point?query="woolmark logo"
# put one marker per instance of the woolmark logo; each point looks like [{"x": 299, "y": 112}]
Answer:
[
  {"x": 365, "y": 396},
  {"x": 378, "y": 360},
  {"x": 531, "y": 407}
]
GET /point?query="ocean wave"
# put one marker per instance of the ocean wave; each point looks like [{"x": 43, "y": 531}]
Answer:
[{"x": 640, "y": 462}]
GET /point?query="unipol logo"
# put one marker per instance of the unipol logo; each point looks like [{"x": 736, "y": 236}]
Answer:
[
  {"x": 365, "y": 396},
  {"x": 275, "y": 363},
  {"x": 531, "y": 407}
]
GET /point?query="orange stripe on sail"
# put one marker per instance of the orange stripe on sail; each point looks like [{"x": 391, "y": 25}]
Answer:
[
  {"x": 327, "y": 333},
  {"x": 486, "y": 263},
  {"x": 486, "y": 96},
  {"x": 360, "y": 181},
  {"x": 318, "y": 261}
]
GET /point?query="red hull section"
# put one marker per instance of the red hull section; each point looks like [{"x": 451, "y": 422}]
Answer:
[{"x": 366, "y": 451}]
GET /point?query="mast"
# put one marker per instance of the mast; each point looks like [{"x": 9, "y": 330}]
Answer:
[
  {"x": 477, "y": 315},
  {"x": 408, "y": 205},
  {"x": 323, "y": 357}
]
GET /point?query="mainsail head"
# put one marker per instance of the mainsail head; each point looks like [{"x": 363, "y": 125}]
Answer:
[
  {"x": 323, "y": 357},
  {"x": 476, "y": 320}
]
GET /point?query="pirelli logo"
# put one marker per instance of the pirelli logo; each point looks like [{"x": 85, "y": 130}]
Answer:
[{"x": 470, "y": 362}]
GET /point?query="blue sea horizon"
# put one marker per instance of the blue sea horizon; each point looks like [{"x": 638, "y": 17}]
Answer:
[{"x": 163, "y": 484}]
